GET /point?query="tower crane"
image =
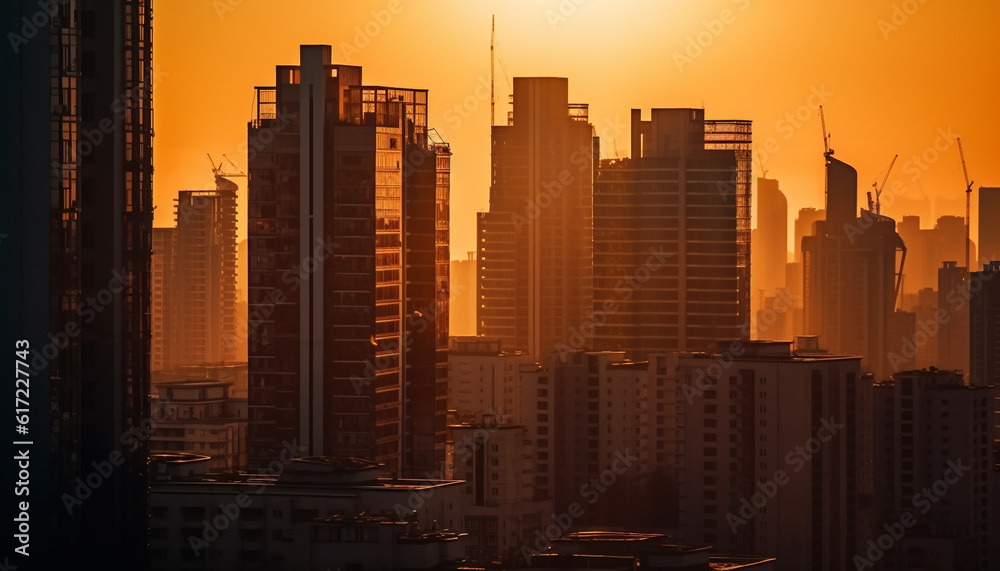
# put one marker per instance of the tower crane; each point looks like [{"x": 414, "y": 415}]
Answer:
[
  {"x": 827, "y": 151},
  {"x": 876, "y": 208},
  {"x": 968, "y": 198}
]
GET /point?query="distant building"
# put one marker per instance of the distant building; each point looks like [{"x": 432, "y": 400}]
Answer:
[
  {"x": 984, "y": 326},
  {"x": 805, "y": 225},
  {"x": 201, "y": 318},
  {"x": 348, "y": 269},
  {"x": 535, "y": 245},
  {"x": 935, "y": 472},
  {"x": 852, "y": 269},
  {"x": 483, "y": 378},
  {"x": 163, "y": 348},
  {"x": 771, "y": 452},
  {"x": 309, "y": 514},
  {"x": 953, "y": 319},
  {"x": 989, "y": 231},
  {"x": 770, "y": 243},
  {"x": 502, "y": 509},
  {"x": 927, "y": 248},
  {"x": 672, "y": 238},
  {"x": 462, "y": 305},
  {"x": 201, "y": 417}
]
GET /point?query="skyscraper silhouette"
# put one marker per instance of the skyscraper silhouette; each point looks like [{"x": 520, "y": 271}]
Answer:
[
  {"x": 348, "y": 270},
  {"x": 80, "y": 236},
  {"x": 850, "y": 276},
  {"x": 672, "y": 236},
  {"x": 535, "y": 243}
]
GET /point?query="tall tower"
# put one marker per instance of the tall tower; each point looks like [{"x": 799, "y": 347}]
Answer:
[
  {"x": 348, "y": 233},
  {"x": 203, "y": 312},
  {"x": 984, "y": 326},
  {"x": 850, "y": 276},
  {"x": 672, "y": 236},
  {"x": 535, "y": 243},
  {"x": 772, "y": 234},
  {"x": 79, "y": 163}
]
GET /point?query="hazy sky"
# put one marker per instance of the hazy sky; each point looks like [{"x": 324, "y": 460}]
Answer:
[{"x": 893, "y": 77}]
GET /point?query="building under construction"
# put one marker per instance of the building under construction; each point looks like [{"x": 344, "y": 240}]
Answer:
[{"x": 852, "y": 269}]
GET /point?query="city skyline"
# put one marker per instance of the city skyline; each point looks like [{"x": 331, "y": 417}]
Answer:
[{"x": 916, "y": 86}]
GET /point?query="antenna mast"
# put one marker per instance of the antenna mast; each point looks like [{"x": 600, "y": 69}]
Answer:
[{"x": 493, "y": 35}]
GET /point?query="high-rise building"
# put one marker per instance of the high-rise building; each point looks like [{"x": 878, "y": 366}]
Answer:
[
  {"x": 535, "y": 246},
  {"x": 953, "y": 302},
  {"x": 805, "y": 225},
  {"x": 934, "y": 473},
  {"x": 462, "y": 304},
  {"x": 927, "y": 248},
  {"x": 163, "y": 346},
  {"x": 348, "y": 270},
  {"x": 984, "y": 326},
  {"x": 989, "y": 232},
  {"x": 771, "y": 247},
  {"x": 772, "y": 452},
  {"x": 78, "y": 239},
  {"x": 202, "y": 314},
  {"x": 672, "y": 236},
  {"x": 850, "y": 276}
]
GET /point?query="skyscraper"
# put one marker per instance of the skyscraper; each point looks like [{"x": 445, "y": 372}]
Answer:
[
  {"x": 850, "y": 276},
  {"x": 203, "y": 309},
  {"x": 672, "y": 236},
  {"x": 953, "y": 337},
  {"x": 771, "y": 247},
  {"x": 535, "y": 243},
  {"x": 80, "y": 153},
  {"x": 984, "y": 326},
  {"x": 348, "y": 270},
  {"x": 772, "y": 452},
  {"x": 989, "y": 232}
]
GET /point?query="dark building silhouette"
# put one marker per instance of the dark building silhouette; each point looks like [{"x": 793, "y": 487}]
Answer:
[
  {"x": 536, "y": 242},
  {"x": 929, "y": 430},
  {"x": 672, "y": 236},
  {"x": 348, "y": 270},
  {"x": 984, "y": 326},
  {"x": 78, "y": 223},
  {"x": 851, "y": 279},
  {"x": 953, "y": 337},
  {"x": 805, "y": 226},
  {"x": 989, "y": 231}
]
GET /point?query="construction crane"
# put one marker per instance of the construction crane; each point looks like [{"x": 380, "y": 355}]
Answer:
[
  {"x": 876, "y": 208},
  {"x": 493, "y": 40},
  {"x": 217, "y": 170},
  {"x": 763, "y": 173},
  {"x": 968, "y": 199},
  {"x": 827, "y": 151}
]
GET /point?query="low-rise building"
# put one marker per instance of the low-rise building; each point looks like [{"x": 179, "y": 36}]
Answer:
[
  {"x": 306, "y": 513},
  {"x": 201, "y": 417}
]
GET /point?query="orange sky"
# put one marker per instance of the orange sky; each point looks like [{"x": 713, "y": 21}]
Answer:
[{"x": 892, "y": 87}]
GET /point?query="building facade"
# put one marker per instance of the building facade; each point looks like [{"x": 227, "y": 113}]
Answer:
[
  {"x": 853, "y": 266},
  {"x": 772, "y": 454},
  {"x": 348, "y": 269},
  {"x": 934, "y": 441},
  {"x": 984, "y": 326},
  {"x": 672, "y": 237},
  {"x": 535, "y": 246},
  {"x": 201, "y": 417},
  {"x": 79, "y": 235}
]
